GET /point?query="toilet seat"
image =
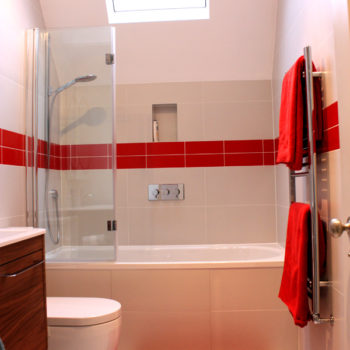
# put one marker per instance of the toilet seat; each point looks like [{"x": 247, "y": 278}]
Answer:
[{"x": 70, "y": 312}]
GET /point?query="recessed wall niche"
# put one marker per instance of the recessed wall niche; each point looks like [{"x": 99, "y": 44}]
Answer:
[{"x": 164, "y": 122}]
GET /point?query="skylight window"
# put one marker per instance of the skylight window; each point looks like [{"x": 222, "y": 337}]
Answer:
[{"x": 129, "y": 11}]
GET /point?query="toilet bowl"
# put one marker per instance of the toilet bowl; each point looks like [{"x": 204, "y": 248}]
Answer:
[{"x": 83, "y": 323}]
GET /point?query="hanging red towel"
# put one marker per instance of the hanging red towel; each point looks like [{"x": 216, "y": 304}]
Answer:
[
  {"x": 293, "y": 290},
  {"x": 293, "y": 115}
]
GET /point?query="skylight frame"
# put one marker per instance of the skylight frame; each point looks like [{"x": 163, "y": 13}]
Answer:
[{"x": 116, "y": 16}]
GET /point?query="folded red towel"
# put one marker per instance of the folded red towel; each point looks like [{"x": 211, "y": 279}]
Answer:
[
  {"x": 293, "y": 121},
  {"x": 290, "y": 146},
  {"x": 293, "y": 290}
]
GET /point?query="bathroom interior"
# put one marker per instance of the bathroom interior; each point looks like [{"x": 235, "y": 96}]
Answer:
[{"x": 138, "y": 156}]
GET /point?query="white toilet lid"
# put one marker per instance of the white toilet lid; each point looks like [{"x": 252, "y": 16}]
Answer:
[{"x": 81, "y": 311}]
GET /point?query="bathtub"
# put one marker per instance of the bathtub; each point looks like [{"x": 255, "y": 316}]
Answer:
[
  {"x": 195, "y": 297},
  {"x": 169, "y": 256}
]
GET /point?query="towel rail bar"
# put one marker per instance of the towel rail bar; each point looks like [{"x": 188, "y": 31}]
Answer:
[
  {"x": 304, "y": 173},
  {"x": 315, "y": 284}
]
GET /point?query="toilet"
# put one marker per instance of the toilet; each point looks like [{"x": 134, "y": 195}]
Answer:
[{"x": 83, "y": 323}]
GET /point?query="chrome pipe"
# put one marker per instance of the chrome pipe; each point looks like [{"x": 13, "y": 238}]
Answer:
[
  {"x": 292, "y": 189},
  {"x": 313, "y": 191},
  {"x": 48, "y": 111},
  {"x": 304, "y": 173},
  {"x": 35, "y": 125}
]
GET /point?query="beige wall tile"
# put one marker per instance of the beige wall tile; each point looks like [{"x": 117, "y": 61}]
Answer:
[
  {"x": 281, "y": 223},
  {"x": 237, "y": 120},
  {"x": 172, "y": 225},
  {"x": 120, "y": 92},
  {"x": 13, "y": 191},
  {"x": 122, "y": 226},
  {"x": 121, "y": 183},
  {"x": 206, "y": 111},
  {"x": 89, "y": 134},
  {"x": 240, "y": 185},
  {"x": 92, "y": 95},
  {"x": 241, "y": 224},
  {"x": 282, "y": 185},
  {"x": 192, "y": 178},
  {"x": 239, "y": 90},
  {"x": 134, "y": 123},
  {"x": 190, "y": 122},
  {"x": 13, "y": 221},
  {"x": 163, "y": 93},
  {"x": 87, "y": 227},
  {"x": 90, "y": 188}
]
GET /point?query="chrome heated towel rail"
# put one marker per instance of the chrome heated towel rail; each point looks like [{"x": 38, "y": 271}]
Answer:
[{"x": 314, "y": 284}]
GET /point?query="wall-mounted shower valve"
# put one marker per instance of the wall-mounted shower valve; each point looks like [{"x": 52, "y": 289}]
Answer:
[{"x": 172, "y": 192}]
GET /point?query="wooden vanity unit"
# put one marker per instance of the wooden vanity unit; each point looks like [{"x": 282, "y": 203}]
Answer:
[{"x": 23, "y": 321}]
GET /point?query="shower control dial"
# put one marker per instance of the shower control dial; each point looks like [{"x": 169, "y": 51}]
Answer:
[
  {"x": 166, "y": 192},
  {"x": 156, "y": 193}
]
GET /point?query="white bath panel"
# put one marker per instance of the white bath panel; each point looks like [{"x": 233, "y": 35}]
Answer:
[
  {"x": 253, "y": 330},
  {"x": 246, "y": 289},
  {"x": 162, "y": 290},
  {"x": 165, "y": 331},
  {"x": 78, "y": 283}
]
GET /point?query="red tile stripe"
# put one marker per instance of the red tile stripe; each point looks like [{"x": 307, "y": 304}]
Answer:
[
  {"x": 12, "y": 148},
  {"x": 330, "y": 139},
  {"x": 136, "y": 155},
  {"x": 157, "y": 155},
  {"x": 195, "y": 154},
  {"x": 330, "y": 116}
]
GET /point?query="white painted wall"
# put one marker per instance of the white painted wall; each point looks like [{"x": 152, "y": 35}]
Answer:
[
  {"x": 299, "y": 24},
  {"x": 15, "y": 17},
  {"x": 235, "y": 44},
  {"x": 323, "y": 25}
]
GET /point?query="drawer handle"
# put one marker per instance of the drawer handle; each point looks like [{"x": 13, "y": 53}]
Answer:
[{"x": 21, "y": 271}]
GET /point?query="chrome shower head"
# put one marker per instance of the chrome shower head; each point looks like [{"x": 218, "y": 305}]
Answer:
[
  {"x": 85, "y": 78},
  {"x": 81, "y": 79}
]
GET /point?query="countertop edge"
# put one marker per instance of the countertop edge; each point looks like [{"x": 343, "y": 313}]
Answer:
[{"x": 10, "y": 236}]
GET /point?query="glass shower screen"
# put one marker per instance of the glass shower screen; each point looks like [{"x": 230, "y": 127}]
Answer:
[{"x": 70, "y": 173}]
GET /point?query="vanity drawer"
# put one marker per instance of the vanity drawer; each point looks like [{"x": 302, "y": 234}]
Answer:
[
  {"x": 23, "y": 299},
  {"x": 19, "y": 266},
  {"x": 22, "y": 248}
]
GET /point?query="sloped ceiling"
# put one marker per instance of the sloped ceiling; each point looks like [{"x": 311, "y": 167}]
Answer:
[{"x": 237, "y": 42}]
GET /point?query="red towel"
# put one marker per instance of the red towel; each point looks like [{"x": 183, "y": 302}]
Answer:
[
  {"x": 293, "y": 120},
  {"x": 293, "y": 290}
]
